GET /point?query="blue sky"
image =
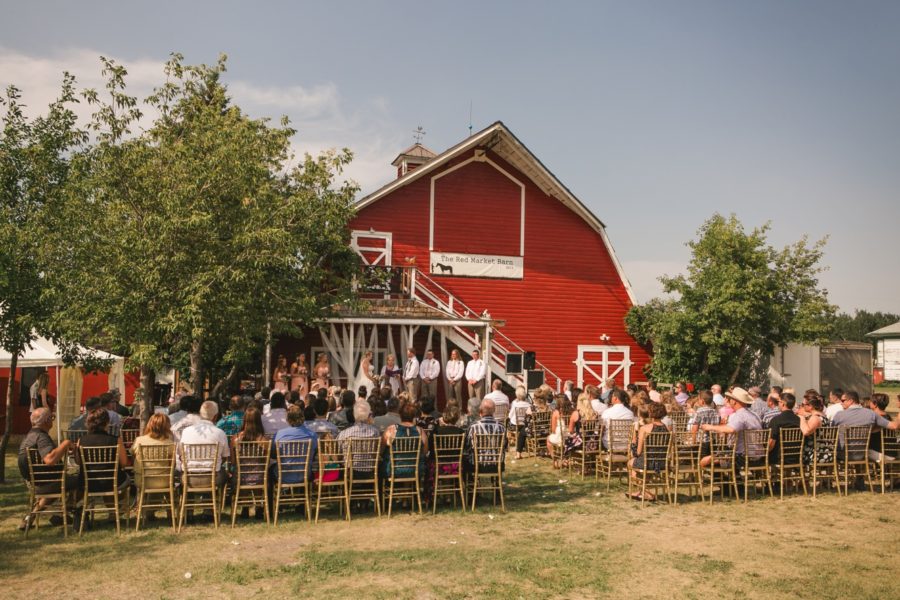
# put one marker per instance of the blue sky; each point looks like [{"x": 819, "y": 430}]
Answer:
[{"x": 655, "y": 114}]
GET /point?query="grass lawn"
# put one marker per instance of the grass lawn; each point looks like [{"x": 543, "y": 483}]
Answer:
[{"x": 558, "y": 539}]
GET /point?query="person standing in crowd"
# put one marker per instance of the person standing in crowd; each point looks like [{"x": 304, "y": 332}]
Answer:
[
  {"x": 300, "y": 375},
  {"x": 429, "y": 372},
  {"x": 391, "y": 374},
  {"x": 475, "y": 374},
  {"x": 321, "y": 371},
  {"x": 455, "y": 371},
  {"x": 411, "y": 374},
  {"x": 281, "y": 376},
  {"x": 38, "y": 392}
]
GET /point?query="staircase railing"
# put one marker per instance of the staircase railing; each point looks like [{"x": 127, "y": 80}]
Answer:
[{"x": 429, "y": 292}]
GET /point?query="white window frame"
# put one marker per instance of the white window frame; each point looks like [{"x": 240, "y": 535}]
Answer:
[{"x": 384, "y": 253}]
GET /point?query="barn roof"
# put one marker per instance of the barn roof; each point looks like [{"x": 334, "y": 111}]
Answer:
[
  {"x": 500, "y": 140},
  {"x": 886, "y": 332}
]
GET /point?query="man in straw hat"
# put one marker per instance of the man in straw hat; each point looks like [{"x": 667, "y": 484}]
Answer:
[{"x": 739, "y": 400}]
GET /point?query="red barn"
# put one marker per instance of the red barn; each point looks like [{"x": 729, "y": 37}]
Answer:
[{"x": 494, "y": 251}]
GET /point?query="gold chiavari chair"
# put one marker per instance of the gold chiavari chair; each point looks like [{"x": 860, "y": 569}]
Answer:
[
  {"x": 679, "y": 421},
  {"x": 294, "y": 463},
  {"x": 655, "y": 469},
  {"x": 251, "y": 477},
  {"x": 512, "y": 431},
  {"x": 448, "y": 471},
  {"x": 365, "y": 456},
  {"x": 332, "y": 479},
  {"x": 721, "y": 468},
  {"x": 824, "y": 459},
  {"x": 100, "y": 467},
  {"x": 536, "y": 443},
  {"x": 198, "y": 465},
  {"x": 686, "y": 463},
  {"x": 74, "y": 435},
  {"x": 156, "y": 480},
  {"x": 614, "y": 457},
  {"x": 46, "y": 488},
  {"x": 403, "y": 473},
  {"x": 753, "y": 468},
  {"x": 128, "y": 436},
  {"x": 888, "y": 463},
  {"x": 853, "y": 456},
  {"x": 488, "y": 454},
  {"x": 790, "y": 459},
  {"x": 585, "y": 459}
]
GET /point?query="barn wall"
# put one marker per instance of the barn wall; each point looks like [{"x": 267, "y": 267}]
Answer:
[{"x": 571, "y": 293}]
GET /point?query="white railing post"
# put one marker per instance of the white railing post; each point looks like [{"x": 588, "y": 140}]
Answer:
[{"x": 412, "y": 282}]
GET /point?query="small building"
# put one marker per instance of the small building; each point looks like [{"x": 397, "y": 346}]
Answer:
[
  {"x": 486, "y": 249},
  {"x": 845, "y": 365},
  {"x": 887, "y": 352}
]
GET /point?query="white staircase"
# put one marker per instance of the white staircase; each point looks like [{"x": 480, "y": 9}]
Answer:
[{"x": 425, "y": 290}]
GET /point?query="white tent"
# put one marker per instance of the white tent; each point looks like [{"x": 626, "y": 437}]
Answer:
[{"x": 45, "y": 353}]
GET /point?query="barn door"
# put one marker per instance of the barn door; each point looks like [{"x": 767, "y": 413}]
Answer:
[
  {"x": 373, "y": 246},
  {"x": 596, "y": 363}
]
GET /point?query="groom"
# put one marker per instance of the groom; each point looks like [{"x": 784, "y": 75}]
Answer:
[{"x": 411, "y": 374}]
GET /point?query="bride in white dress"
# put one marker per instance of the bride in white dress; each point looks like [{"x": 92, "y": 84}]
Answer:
[{"x": 366, "y": 374}]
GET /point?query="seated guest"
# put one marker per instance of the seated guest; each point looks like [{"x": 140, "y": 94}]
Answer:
[
  {"x": 204, "y": 431},
  {"x": 880, "y": 403},
  {"x": 392, "y": 417},
  {"x": 321, "y": 425},
  {"x": 377, "y": 405},
  {"x": 487, "y": 424},
  {"x": 362, "y": 428},
  {"x": 583, "y": 411},
  {"x": 157, "y": 433},
  {"x": 773, "y": 408},
  {"x": 276, "y": 418},
  {"x": 428, "y": 417},
  {"x": 739, "y": 401},
  {"x": 176, "y": 412},
  {"x": 253, "y": 427},
  {"x": 655, "y": 412},
  {"x": 619, "y": 409},
  {"x": 596, "y": 403},
  {"x": 518, "y": 412},
  {"x": 110, "y": 401},
  {"x": 705, "y": 414},
  {"x": 785, "y": 419},
  {"x": 855, "y": 415},
  {"x": 812, "y": 416},
  {"x": 472, "y": 407},
  {"x": 191, "y": 405},
  {"x": 233, "y": 423},
  {"x": 558, "y": 424},
  {"x": 343, "y": 418},
  {"x": 39, "y": 438},
  {"x": 406, "y": 428},
  {"x": 90, "y": 404},
  {"x": 98, "y": 435},
  {"x": 297, "y": 431},
  {"x": 309, "y": 412}
]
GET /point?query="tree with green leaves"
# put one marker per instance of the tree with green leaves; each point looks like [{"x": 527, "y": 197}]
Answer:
[
  {"x": 34, "y": 169},
  {"x": 739, "y": 300},
  {"x": 185, "y": 242},
  {"x": 854, "y": 328}
]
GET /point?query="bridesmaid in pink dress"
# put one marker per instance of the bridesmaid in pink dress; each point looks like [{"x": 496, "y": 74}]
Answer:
[
  {"x": 300, "y": 376},
  {"x": 321, "y": 372},
  {"x": 281, "y": 376}
]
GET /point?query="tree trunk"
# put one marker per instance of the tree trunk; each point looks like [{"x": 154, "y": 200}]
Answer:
[
  {"x": 737, "y": 366},
  {"x": 148, "y": 378},
  {"x": 223, "y": 384},
  {"x": 197, "y": 367},
  {"x": 7, "y": 423}
]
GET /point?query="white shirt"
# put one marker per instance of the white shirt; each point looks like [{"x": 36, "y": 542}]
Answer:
[
  {"x": 411, "y": 369},
  {"x": 275, "y": 420},
  {"x": 598, "y": 406},
  {"x": 204, "y": 432},
  {"x": 185, "y": 422},
  {"x": 498, "y": 397},
  {"x": 516, "y": 404},
  {"x": 475, "y": 370},
  {"x": 832, "y": 409},
  {"x": 430, "y": 368},
  {"x": 616, "y": 412},
  {"x": 655, "y": 396},
  {"x": 455, "y": 370},
  {"x": 718, "y": 399}
]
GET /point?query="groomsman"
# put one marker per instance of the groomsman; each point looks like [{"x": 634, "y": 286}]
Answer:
[
  {"x": 475, "y": 373},
  {"x": 429, "y": 371},
  {"x": 455, "y": 370},
  {"x": 411, "y": 374}
]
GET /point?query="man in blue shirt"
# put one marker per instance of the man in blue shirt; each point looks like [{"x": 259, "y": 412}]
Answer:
[{"x": 295, "y": 432}]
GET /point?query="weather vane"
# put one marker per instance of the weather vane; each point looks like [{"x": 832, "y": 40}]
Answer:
[{"x": 419, "y": 133}]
